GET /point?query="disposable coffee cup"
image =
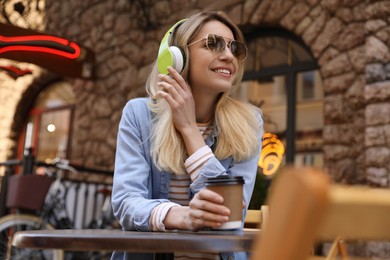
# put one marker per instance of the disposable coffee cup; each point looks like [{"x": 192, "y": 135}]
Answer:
[{"x": 230, "y": 188}]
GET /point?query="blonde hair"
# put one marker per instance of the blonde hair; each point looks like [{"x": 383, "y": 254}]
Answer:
[{"x": 232, "y": 118}]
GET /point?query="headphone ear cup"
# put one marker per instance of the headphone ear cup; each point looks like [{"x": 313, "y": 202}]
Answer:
[
  {"x": 170, "y": 55},
  {"x": 178, "y": 58}
]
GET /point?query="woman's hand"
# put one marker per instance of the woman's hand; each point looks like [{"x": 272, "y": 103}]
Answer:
[
  {"x": 177, "y": 93},
  {"x": 205, "y": 210}
]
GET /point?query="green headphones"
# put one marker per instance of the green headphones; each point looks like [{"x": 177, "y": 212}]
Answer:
[{"x": 170, "y": 55}]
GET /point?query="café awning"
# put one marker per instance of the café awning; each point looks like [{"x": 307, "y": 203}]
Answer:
[{"x": 54, "y": 53}]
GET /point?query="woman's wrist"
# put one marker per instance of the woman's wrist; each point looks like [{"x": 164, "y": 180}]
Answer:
[
  {"x": 189, "y": 131},
  {"x": 177, "y": 218},
  {"x": 193, "y": 140}
]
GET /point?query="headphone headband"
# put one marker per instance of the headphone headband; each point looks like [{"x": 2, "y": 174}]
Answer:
[{"x": 170, "y": 55}]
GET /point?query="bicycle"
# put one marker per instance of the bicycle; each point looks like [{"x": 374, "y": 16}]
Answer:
[
  {"x": 47, "y": 219},
  {"x": 53, "y": 215}
]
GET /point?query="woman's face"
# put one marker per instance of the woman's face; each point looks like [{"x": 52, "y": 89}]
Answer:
[{"x": 211, "y": 72}]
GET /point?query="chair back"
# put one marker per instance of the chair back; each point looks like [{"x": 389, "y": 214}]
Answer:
[
  {"x": 357, "y": 213},
  {"x": 304, "y": 209},
  {"x": 256, "y": 218},
  {"x": 297, "y": 202}
]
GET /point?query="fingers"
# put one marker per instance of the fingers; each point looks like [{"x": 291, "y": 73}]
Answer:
[
  {"x": 178, "y": 78},
  {"x": 206, "y": 210},
  {"x": 178, "y": 95},
  {"x": 173, "y": 83},
  {"x": 176, "y": 92},
  {"x": 209, "y": 195},
  {"x": 168, "y": 91},
  {"x": 199, "y": 223}
]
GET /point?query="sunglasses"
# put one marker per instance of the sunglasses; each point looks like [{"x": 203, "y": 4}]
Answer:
[{"x": 217, "y": 44}]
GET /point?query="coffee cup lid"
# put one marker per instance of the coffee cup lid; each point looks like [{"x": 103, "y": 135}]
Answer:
[{"x": 224, "y": 179}]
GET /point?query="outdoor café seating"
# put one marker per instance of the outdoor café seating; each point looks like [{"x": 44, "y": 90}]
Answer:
[{"x": 306, "y": 208}]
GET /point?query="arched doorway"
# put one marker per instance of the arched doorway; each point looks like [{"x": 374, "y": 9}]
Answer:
[
  {"x": 49, "y": 126},
  {"x": 282, "y": 78}
]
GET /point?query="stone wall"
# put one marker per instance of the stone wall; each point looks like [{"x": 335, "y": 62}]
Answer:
[
  {"x": 125, "y": 37},
  {"x": 340, "y": 35},
  {"x": 334, "y": 31},
  {"x": 350, "y": 40},
  {"x": 377, "y": 94},
  {"x": 11, "y": 93}
]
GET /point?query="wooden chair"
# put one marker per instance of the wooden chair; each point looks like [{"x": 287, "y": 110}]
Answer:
[
  {"x": 356, "y": 213},
  {"x": 305, "y": 208},
  {"x": 297, "y": 202},
  {"x": 256, "y": 219}
]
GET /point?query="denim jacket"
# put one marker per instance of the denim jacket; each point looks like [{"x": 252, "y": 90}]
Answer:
[{"x": 139, "y": 186}]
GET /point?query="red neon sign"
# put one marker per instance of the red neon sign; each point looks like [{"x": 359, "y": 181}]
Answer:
[{"x": 40, "y": 43}]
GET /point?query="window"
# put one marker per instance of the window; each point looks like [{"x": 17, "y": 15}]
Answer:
[
  {"x": 51, "y": 121},
  {"x": 282, "y": 78}
]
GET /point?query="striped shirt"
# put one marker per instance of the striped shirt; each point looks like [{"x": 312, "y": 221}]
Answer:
[{"x": 179, "y": 193}]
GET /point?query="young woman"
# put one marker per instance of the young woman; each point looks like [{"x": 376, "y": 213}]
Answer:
[{"x": 188, "y": 129}]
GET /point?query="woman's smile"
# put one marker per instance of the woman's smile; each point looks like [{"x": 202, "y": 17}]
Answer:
[{"x": 223, "y": 71}]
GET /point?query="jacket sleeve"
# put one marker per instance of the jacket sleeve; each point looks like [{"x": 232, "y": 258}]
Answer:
[{"x": 132, "y": 185}]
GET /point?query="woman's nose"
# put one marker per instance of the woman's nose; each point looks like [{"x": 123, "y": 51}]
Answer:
[{"x": 227, "y": 54}]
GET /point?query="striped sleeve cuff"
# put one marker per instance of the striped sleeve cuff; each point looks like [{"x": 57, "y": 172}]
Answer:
[
  {"x": 196, "y": 160},
  {"x": 158, "y": 215}
]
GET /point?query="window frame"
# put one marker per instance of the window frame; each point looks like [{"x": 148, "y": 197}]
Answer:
[{"x": 290, "y": 72}]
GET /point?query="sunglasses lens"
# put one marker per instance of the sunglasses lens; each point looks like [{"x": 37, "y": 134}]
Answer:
[
  {"x": 216, "y": 43},
  {"x": 238, "y": 49}
]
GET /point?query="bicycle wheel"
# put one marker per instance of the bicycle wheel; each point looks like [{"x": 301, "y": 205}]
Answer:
[{"x": 12, "y": 223}]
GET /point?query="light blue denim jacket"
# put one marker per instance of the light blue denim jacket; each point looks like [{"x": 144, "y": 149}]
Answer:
[{"x": 139, "y": 186}]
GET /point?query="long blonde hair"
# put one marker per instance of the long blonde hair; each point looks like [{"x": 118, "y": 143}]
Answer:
[{"x": 235, "y": 122}]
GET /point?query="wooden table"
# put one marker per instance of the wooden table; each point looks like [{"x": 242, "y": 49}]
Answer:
[{"x": 133, "y": 241}]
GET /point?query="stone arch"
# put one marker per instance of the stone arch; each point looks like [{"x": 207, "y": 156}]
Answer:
[
  {"x": 334, "y": 32},
  {"x": 349, "y": 39},
  {"x": 337, "y": 41}
]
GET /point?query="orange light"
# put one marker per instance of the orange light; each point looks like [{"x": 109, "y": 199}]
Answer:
[{"x": 271, "y": 155}]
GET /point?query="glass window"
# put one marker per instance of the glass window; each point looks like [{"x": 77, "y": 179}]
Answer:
[
  {"x": 309, "y": 86},
  {"x": 53, "y": 134},
  {"x": 281, "y": 77},
  {"x": 309, "y": 111},
  {"x": 51, "y": 121},
  {"x": 273, "y": 51},
  {"x": 55, "y": 95},
  {"x": 270, "y": 96}
]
